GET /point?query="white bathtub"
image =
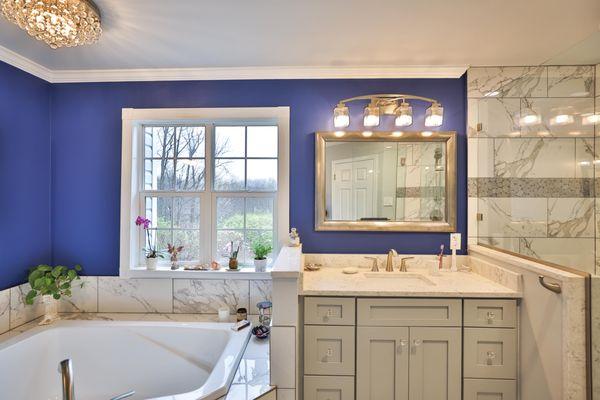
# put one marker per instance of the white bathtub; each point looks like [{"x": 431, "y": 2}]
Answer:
[{"x": 159, "y": 360}]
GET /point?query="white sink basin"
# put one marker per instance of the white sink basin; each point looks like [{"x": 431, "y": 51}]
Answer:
[{"x": 403, "y": 276}]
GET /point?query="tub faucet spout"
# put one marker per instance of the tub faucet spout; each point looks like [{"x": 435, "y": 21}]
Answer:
[{"x": 66, "y": 370}]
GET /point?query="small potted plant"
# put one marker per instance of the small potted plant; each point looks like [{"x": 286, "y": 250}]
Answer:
[
  {"x": 233, "y": 261},
  {"x": 152, "y": 254},
  {"x": 51, "y": 283},
  {"x": 261, "y": 250}
]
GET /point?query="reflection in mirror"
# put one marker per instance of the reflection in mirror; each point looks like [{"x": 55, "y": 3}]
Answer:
[{"x": 385, "y": 181}]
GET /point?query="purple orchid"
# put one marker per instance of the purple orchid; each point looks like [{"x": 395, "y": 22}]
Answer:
[
  {"x": 143, "y": 221},
  {"x": 151, "y": 251}
]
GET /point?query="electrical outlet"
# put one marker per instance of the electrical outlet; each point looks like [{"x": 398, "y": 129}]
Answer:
[{"x": 455, "y": 241}]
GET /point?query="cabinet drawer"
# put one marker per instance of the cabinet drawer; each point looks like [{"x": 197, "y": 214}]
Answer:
[
  {"x": 487, "y": 389},
  {"x": 329, "y": 350},
  {"x": 409, "y": 312},
  {"x": 491, "y": 313},
  {"x": 490, "y": 353},
  {"x": 328, "y": 387},
  {"x": 329, "y": 311}
]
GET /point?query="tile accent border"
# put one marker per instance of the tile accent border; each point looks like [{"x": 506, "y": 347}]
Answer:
[{"x": 532, "y": 187}]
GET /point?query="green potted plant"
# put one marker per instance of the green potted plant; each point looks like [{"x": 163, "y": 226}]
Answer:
[
  {"x": 261, "y": 249},
  {"x": 51, "y": 283}
]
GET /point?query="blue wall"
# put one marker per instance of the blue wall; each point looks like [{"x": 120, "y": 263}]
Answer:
[
  {"x": 24, "y": 174},
  {"x": 86, "y": 150}
]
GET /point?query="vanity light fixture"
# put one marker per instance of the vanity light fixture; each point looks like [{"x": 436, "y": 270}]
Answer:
[
  {"x": 341, "y": 116},
  {"x": 58, "y": 23},
  {"x": 434, "y": 115},
  {"x": 591, "y": 119},
  {"x": 404, "y": 115},
  {"x": 388, "y": 104},
  {"x": 562, "y": 119},
  {"x": 371, "y": 117}
]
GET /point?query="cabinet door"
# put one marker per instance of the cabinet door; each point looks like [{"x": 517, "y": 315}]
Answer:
[
  {"x": 435, "y": 364},
  {"x": 382, "y": 363}
]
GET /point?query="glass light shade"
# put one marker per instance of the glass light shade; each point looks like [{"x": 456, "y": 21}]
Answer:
[
  {"x": 371, "y": 117},
  {"x": 591, "y": 119},
  {"x": 404, "y": 115},
  {"x": 529, "y": 119},
  {"x": 434, "y": 115},
  {"x": 562, "y": 119},
  {"x": 58, "y": 23},
  {"x": 341, "y": 116}
]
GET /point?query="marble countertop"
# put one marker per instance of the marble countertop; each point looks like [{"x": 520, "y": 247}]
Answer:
[{"x": 417, "y": 282}]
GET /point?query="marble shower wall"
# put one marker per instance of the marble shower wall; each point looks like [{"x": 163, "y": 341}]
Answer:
[
  {"x": 532, "y": 183},
  {"x": 106, "y": 294}
]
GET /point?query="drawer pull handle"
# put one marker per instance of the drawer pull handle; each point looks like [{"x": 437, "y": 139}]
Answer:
[
  {"x": 491, "y": 355},
  {"x": 490, "y": 317},
  {"x": 417, "y": 342},
  {"x": 403, "y": 344},
  {"x": 553, "y": 287},
  {"x": 329, "y": 352}
]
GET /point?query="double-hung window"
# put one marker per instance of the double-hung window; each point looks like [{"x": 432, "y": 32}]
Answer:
[{"x": 210, "y": 180}]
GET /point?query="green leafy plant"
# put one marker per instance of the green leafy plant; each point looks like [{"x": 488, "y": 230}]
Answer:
[
  {"x": 261, "y": 249},
  {"x": 53, "y": 281}
]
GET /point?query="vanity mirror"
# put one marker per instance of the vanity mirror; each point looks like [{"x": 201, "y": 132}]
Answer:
[{"x": 385, "y": 181}]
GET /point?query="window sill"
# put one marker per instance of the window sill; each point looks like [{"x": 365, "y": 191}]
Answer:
[{"x": 246, "y": 273}]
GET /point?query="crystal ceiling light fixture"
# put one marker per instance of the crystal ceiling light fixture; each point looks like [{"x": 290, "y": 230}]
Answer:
[
  {"x": 58, "y": 23},
  {"x": 388, "y": 104}
]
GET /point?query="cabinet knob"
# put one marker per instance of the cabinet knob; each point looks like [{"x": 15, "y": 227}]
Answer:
[
  {"x": 490, "y": 317},
  {"x": 402, "y": 345},
  {"x": 417, "y": 342},
  {"x": 491, "y": 355}
]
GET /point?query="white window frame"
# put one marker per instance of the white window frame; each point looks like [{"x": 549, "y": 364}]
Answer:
[{"x": 132, "y": 197}]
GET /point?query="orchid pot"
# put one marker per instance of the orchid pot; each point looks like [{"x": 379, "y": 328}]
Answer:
[{"x": 151, "y": 263}]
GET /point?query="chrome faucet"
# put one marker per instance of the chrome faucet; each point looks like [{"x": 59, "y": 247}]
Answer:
[
  {"x": 403, "y": 263},
  {"x": 389, "y": 262},
  {"x": 375, "y": 264},
  {"x": 66, "y": 370}
]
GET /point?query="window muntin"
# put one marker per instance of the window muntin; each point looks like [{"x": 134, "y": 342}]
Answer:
[{"x": 175, "y": 193}]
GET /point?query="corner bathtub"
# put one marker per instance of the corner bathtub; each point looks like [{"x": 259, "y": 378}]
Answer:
[{"x": 159, "y": 360}]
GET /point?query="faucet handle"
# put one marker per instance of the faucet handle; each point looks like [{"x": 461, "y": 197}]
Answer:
[
  {"x": 403, "y": 263},
  {"x": 375, "y": 265}
]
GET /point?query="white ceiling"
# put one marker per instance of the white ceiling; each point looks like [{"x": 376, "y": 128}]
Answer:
[{"x": 148, "y": 34}]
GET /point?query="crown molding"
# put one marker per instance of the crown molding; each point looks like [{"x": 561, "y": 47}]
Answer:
[{"x": 228, "y": 73}]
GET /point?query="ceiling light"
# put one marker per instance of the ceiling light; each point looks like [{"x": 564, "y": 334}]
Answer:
[
  {"x": 426, "y": 133},
  {"x": 371, "y": 117},
  {"x": 591, "y": 119},
  {"x": 404, "y": 115},
  {"x": 562, "y": 119},
  {"x": 434, "y": 115},
  {"x": 339, "y": 133},
  {"x": 397, "y": 133},
  {"x": 530, "y": 119},
  {"x": 341, "y": 116},
  {"x": 59, "y": 23},
  {"x": 367, "y": 133}
]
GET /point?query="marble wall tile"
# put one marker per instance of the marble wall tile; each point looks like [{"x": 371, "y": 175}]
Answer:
[
  {"x": 134, "y": 295},
  {"x": 506, "y": 243},
  {"x": 4, "y": 310},
  {"x": 597, "y": 79},
  {"x": 207, "y": 296},
  {"x": 84, "y": 299},
  {"x": 21, "y": 313},
  {"x": 260, "y": 290},
  {"x": 481, "y": 158},
  {"x": 584, "y": 158},
  {"x": 547, "y": 109},
  {"x": 571, "y": 217},
  {"x": 472, "y": 117},
  {"x": 577, "y": 253},
  {"x": 499, "y": 117},
  {"x": 534, "y": 158},
  {"x": 507, "y": 82},
  {"x": 513, "y": 217},
  {"x": 571, "y": 81}
]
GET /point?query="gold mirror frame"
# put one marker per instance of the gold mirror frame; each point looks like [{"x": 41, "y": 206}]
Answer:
[{"x": 321, "y": 224}]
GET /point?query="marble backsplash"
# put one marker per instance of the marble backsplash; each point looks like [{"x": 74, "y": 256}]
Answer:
[
  {"x": 117, "y": 295},
  {"x": 532, "y": 187}
]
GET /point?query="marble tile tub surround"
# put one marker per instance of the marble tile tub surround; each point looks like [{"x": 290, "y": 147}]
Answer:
[
  {"x": 140, "y": 296},
  {"x": 532, "y": 188}
]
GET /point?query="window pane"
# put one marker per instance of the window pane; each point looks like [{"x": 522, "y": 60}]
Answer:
[
  {"x": 190, "y": 240},
  {"x": 230, "y": 213},
  {"x": 190, "y": 175},
  {"x": 158, "y": 210},
  {"x": 159, "y": 175},
  {"x": 224, "y": 239},
  {"x": 186, "y": 212},
  {"x": 259, "y": 213},
  {"x": 230, "y": 141},
  {"x": 262, "y": 141},
  {"x": 162, "y": 236},
  {"x": 159, "y": 141},
  {"x": 262, "y": 175},
  {"x": 229, "y": 175},
  {"x": 189, "y": 142}
]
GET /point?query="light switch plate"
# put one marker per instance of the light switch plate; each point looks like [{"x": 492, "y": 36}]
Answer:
[{"x": 455, "y": 241}]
